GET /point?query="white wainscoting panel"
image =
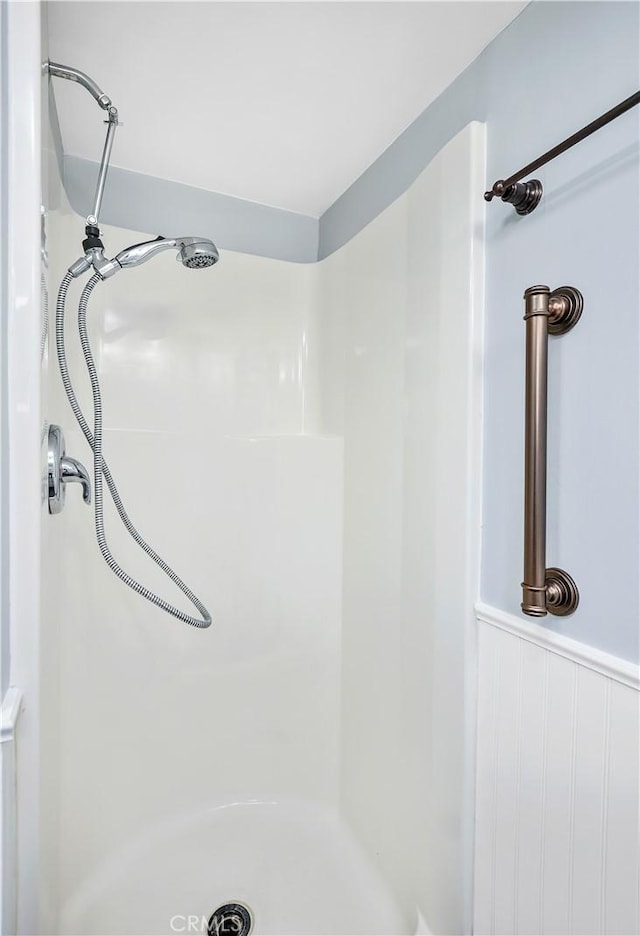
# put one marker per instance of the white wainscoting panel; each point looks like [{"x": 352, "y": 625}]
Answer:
[{"x": 557, "y": 843}]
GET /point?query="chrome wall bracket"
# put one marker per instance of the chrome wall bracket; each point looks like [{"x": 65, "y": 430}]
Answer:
[
  {"x": 56, "y": 70},
  {"x": 544, "y": 591},
  {"x": 62, "y": 469}
]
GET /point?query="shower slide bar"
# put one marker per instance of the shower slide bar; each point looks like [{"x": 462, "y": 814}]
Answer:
[
  {"x": 74, "y": 74},
  {"x": 547, "y": 313},
  {"x": 525, "y": 196}
]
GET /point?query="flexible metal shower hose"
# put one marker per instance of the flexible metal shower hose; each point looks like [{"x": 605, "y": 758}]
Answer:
[{"x": 101, "y": 469}]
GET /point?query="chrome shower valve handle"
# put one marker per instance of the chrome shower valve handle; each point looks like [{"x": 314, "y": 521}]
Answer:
[
  {"x": 73, "y": 470},
  {"x": 61, "y": 469}
]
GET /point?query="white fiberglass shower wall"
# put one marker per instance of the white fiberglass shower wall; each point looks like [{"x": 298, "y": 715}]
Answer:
[{"x": 302, "y": 443}]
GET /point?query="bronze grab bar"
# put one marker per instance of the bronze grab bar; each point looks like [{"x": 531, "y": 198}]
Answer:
[{"x": 543, "y": 590}]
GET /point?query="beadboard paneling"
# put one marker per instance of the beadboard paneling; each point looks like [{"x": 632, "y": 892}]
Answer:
[{"x": 557, "y": 784}]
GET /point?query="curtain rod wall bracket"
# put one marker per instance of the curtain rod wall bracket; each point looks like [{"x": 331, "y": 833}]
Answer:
[{"x": 525, "y": 196}]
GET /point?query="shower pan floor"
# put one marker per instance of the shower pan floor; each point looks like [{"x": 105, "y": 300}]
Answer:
[{"x": 295, "y": 865}]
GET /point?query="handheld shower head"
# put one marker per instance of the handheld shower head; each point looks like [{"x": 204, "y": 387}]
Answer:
[{"x": 193, "y": 252}]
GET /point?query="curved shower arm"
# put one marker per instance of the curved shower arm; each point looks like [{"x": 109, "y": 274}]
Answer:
[{"x": 74, "y": 74}]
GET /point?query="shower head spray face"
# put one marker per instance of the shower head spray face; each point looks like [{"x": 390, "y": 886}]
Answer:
[{"x": 198, "y": 255}]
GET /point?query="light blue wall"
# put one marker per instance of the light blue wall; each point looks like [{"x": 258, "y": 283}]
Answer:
[
  {"x": 554, "y": 69},
  {"x": 145, "y": 203},
  {"x": 584, "y": 233}
]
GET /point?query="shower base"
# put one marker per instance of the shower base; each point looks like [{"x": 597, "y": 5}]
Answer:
[{"x": 295, "y": 866}]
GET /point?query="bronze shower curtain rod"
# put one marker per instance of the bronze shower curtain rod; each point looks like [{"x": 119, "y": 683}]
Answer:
[{"x": 524, "y": 196}]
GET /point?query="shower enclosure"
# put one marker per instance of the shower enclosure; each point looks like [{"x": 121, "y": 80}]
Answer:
[{"x": 302, "y": 443}]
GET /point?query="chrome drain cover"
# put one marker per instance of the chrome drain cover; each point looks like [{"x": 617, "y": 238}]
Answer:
[{"x": 232, "y": 919}]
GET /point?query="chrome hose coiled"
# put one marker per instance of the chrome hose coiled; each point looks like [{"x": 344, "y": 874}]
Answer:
[{"x": 101, "y": 469}]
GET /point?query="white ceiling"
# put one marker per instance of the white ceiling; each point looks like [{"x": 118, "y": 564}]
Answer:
[{"x": 284, "y": 103}]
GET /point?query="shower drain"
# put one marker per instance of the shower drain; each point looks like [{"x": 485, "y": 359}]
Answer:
[{"x": 232, "y": 919}]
